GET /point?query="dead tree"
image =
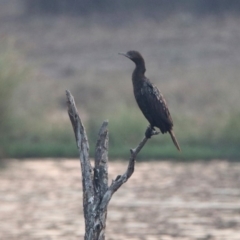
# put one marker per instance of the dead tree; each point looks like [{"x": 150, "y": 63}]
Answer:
[{"x": 96, "y": 192}]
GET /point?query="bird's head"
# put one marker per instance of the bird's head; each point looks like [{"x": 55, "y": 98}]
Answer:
[{"x": 135, "y": 56}]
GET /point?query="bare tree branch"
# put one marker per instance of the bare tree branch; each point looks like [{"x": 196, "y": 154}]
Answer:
[
  {"x": 87, "y": 171},
  {"x": 96, "y": 193},
  {"x": 101, "y": 175},
  {"x": 101, "y": 162},
  {"x": 121, "y": 179}
]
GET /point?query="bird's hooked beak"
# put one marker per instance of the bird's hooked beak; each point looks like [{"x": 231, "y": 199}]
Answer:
[{"x": 124, "y": 54}]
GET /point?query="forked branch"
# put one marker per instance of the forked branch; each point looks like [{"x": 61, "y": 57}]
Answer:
[{"x": 96, "y": 192}]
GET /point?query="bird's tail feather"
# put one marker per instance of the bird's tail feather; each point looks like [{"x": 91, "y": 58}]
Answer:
[{"x": 174, "y": 139}]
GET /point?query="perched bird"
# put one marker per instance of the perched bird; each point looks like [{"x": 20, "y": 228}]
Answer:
[{"x": 149, "y": 98}]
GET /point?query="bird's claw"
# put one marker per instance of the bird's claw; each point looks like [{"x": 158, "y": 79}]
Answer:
[{"x": 150, "y": 131}]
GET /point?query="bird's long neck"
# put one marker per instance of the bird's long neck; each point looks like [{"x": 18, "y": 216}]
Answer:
[
  {"x": 140, "y": 66},
  {"x": 138, "y": 73}
]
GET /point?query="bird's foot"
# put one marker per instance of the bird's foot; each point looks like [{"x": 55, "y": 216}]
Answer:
[{"x": 150, "y": 131}]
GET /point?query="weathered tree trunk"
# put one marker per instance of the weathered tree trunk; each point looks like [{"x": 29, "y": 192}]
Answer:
[{"x": 96, "y": 192}]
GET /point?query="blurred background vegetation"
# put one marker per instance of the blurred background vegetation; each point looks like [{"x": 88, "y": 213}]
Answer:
[
  {"x": 148, "y": 7},
  {"x": 192, "y": 52}
]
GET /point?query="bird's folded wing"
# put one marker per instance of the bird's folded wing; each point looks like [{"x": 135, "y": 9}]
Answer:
[{"x": 156, "y": 104}]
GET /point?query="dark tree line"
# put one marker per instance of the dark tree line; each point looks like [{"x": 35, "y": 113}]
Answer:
[{"x": 148, "y": 6}]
